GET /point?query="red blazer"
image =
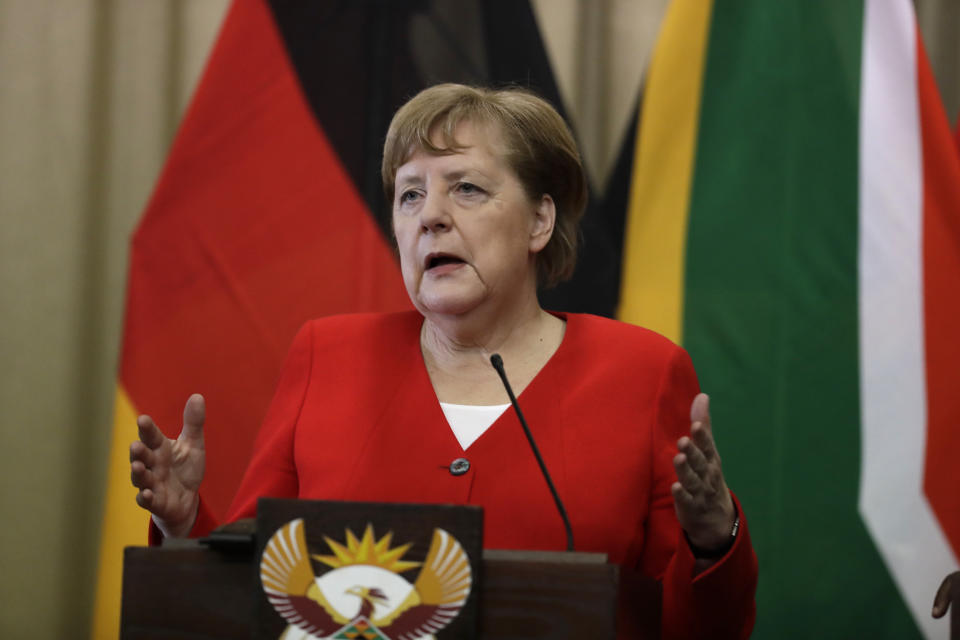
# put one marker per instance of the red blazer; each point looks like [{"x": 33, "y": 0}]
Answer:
[{"x": 355, "y": 418}]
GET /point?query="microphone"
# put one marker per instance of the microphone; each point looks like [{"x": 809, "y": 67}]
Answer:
[{"x": 497, "y": 363}]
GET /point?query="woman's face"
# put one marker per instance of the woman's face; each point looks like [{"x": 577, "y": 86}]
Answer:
[{"x": 466, "y": 230}]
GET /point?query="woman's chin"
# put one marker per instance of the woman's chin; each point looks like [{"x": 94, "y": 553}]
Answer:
[{"x": 447, "y": 305}]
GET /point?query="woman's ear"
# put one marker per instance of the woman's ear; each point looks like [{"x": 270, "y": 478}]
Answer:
[{"x": 545, "y": 215}]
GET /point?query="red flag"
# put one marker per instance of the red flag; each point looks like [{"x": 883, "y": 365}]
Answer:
[{"x": 253, "y": 228}]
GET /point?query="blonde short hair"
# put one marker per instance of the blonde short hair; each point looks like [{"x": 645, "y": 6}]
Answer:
[{"x": 540, "y": 150}]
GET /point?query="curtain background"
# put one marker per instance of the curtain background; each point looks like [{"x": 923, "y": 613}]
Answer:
[{"x": 91, "y": 92}]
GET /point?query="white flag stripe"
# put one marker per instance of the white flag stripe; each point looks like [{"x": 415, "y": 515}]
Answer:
[{"x": 892, "y": 365}]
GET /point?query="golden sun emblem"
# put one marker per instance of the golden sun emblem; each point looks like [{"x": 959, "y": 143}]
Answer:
[{"x": 364, "y": 596}]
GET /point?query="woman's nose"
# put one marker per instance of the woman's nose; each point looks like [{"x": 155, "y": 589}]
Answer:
[{"x": 435, "y": 214}]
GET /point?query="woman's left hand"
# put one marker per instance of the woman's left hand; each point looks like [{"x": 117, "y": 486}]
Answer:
[{"x": 701, "y": 497}]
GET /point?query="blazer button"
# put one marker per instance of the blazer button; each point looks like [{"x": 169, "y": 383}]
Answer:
[{"x": 459, "y": 466}]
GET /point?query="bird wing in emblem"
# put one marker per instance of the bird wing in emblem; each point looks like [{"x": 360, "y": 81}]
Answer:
[
  {"x": 438, "y": 594},
  {"x": 289, "y": 584}
]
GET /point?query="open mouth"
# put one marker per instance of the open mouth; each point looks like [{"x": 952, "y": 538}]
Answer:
[{"x": 435, "y": 260}]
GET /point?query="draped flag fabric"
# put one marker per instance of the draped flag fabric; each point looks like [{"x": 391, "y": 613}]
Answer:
[
  {"x": 269, "y": 212},
  {"x": 794, "y": 222}
]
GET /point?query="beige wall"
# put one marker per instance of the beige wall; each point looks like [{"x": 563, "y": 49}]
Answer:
[
  {"x": 599, "y": 50},
  {"x": 90, "y": 94},
  {"x": 940, "y": 23}
]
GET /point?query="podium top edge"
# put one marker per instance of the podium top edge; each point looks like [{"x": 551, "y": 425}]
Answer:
[{"x": 551, "y": 557}]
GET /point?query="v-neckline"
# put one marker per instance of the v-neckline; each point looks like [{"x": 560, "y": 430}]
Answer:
[{"x": 531, "y": 388}]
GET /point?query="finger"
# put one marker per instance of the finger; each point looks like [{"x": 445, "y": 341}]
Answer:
[
  {"x": 140, "y": 451},
  {"x": 687, "y": 477},
  {"x": 140, "y": 476},
  {"x": 150, "y": 434},
  {"x": 700, "y": 410},
  {"x": 695, "y": 458},
  {"x": 681, "y": 497},
  {"x": 703, "y": 438},
  {"x": 194, "y": 414},
  {"x": 145, "y": 499},
  {"x": 941, "y": 602}
]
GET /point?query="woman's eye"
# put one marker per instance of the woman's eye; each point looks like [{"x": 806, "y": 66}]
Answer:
[
  {"x": 468, "y": 188},
  {"x": 408, "y": 196}
]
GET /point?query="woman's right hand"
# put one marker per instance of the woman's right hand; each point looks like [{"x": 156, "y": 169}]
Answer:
[{"x": 168, "y": 472}]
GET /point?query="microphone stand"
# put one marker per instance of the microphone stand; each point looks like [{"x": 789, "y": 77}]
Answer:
[{"x": 497, "y": 363}]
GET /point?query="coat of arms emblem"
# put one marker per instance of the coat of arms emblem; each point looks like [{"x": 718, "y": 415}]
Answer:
[{"x": 363, "y": 594}]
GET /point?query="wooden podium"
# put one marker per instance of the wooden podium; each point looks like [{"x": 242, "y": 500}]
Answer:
[{"x": 189, "y": 589}]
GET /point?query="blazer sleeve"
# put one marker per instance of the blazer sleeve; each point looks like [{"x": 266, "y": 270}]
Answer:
[{"x": 718, "y": 602}]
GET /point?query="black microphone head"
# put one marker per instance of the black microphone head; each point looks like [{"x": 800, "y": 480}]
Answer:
[{"x": 496, "y": 361}]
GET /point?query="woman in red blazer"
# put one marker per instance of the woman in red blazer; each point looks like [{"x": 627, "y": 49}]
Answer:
[{"x": 488, "y": 190}]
